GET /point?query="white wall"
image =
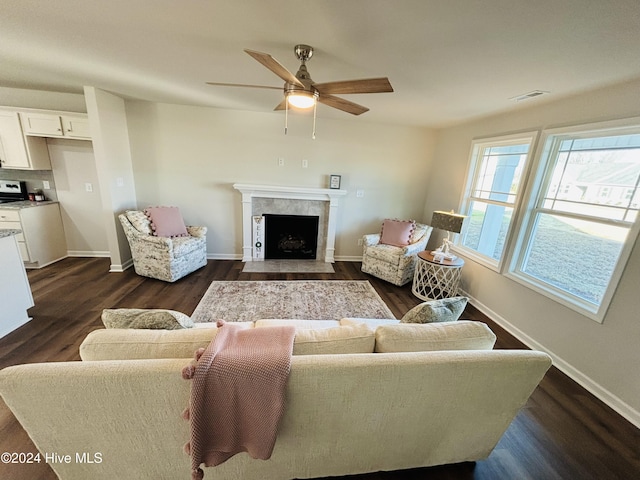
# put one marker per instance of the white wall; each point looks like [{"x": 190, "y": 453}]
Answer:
[
  {"x": 604, "y": 357},
  {"x": 190, "y": 157},
  {"x": 110, "y": 138},
  {"x": 74, "y": 166}
]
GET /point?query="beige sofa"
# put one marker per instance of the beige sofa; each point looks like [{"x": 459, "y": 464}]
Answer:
[{"x": 383, "y": 408}]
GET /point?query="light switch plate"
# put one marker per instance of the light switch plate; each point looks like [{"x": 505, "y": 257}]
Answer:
[{"x": 45, "y": 185}]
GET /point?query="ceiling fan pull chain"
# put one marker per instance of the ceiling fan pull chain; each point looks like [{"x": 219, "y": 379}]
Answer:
[
  {"x": 313, "y": 134},
  {"x": 286, "y": 115}
]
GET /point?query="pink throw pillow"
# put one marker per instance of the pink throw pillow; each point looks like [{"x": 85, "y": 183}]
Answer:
[
  {"x": 166, "y": 222},
  {"x": 397, "y": 232}
]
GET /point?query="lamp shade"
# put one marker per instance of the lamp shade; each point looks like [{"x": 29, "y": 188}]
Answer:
[
  {"x": 448, "y": 221},
  {"x": 301, "y": 99}
]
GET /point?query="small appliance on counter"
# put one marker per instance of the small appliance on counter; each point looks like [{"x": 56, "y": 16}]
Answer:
[{"x": 13, "y": 191}]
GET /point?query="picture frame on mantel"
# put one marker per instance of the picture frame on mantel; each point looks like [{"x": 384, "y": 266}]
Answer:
[{"x": 334, "y": 182}]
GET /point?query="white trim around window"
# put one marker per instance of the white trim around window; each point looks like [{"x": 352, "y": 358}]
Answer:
[
  {"x": 568, "y": 206},
  {"x": 496, "y": 176}
]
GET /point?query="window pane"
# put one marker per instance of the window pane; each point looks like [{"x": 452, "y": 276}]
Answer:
[
  {"x": 486, "y": 228},
  {"x": 601, "y": 171},
  {"x": 576, "y": 256},
  {"x": 499, "y": 172}
]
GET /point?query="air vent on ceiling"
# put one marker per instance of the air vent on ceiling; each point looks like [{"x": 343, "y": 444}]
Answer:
[{"x": 527, "y": 96}]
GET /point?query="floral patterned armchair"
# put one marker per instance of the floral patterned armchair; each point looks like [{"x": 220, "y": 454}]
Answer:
[
  {"x": 164, "y": 258},
  {"x": 391, "y": 263}
]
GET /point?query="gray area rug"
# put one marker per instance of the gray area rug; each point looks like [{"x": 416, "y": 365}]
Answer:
[{"x": 303, "y": 299}]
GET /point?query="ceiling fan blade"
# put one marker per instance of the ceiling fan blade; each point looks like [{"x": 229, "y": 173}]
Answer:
[
  {"x": 275, "y": 66},
  {"x": 366, "y": 85},
  {"x": 282, "y": 105},
  {"x": 218, "y": 84},
  {"x": 342, "y": 104}
]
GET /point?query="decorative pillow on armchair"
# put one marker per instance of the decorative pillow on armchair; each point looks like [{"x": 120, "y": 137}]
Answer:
[
  {"x": 145, "y": 318},
  {"x": 397, "y": 232},
  {"x": 445, "y": 310},
  {"x": 166, "y": 222}
]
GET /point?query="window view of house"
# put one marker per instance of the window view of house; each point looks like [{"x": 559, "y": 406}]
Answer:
[
  {"x": 584, "y": 213},
  {"x": 577, "y": 223}
]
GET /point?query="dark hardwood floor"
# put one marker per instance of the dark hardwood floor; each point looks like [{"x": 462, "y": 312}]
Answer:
[{"x": 562, "y": 433}]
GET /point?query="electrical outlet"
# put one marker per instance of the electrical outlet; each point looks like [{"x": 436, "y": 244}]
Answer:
[
  {"x": 45, "y": 185},
  {"x": 359, "y": 193},
  {"x": 360, "y": 242},
  {"x": 281, "y": 162}
]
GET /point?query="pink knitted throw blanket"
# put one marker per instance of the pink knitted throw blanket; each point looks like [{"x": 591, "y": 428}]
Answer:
[{"x": 238, "y": 394}]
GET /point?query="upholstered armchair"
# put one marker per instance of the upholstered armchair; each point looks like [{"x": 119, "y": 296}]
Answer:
[
  {"x": 162, "y": 257},
  {"x": 394, "y": 263}
]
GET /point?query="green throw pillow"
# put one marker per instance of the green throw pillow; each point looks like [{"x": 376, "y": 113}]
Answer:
[
  {"x": 445, "y": 310},
  {"x": 145, "y": 318}
]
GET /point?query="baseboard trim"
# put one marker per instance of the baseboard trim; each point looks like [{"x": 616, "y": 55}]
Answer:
[
  {"x": 88, "y": 253},
  {"x": 224, "y": 256},
  {"x": 613, "y": 401},
  {"x": 348, "y": 258},
  {"x": 119, "y": 268}
]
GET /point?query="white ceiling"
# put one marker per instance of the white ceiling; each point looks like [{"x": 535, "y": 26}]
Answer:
[{"x": 448, "y": 60}]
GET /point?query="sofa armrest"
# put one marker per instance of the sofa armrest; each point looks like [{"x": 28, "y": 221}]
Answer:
[
  {"x": 371, "y": 239},
  {"x": 414, "y": 248},
  {"x": 194, "y": 231}
]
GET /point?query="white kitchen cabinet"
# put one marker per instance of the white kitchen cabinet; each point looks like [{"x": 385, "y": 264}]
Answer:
[
  {"x": 15, "y": 293},
  {"x": 42, "y": 240},
  {"x": 76, "y": 126},
  {"x": 18, "y": 151},
  {"x": 54, "y": 125}
]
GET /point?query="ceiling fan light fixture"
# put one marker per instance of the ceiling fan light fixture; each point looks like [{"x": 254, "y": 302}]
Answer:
[{"x": 302, "y": 99}]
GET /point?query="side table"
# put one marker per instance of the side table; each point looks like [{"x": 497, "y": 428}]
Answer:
[{"x": 434, "y": 280}]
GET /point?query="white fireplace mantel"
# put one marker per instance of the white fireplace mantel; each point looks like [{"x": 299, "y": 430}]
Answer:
[{"x": 250, "y": 191}]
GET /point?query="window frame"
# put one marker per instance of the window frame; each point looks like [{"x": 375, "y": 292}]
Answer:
[
  {"x": 543, "y": 167},
  {"x": 474, "y": 165}
]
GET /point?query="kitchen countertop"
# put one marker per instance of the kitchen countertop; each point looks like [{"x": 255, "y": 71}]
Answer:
[
  {"x": 24, "y": 204},
  {"x": 7, "y": 232}
]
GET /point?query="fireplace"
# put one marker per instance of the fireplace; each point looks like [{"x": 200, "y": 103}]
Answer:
[
  {"x": 272, "y": 199},
  {"x": 291, "y": 236}
]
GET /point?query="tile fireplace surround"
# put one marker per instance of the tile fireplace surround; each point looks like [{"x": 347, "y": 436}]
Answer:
[{"x": 260, "y": 199}]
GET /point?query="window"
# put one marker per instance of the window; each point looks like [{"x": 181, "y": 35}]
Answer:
[
  {"x": 497, "y": 170},
  {"x": 581, "y": 221}
]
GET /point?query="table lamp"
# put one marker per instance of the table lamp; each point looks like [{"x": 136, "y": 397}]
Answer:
[{"x": 451, "y": 222}]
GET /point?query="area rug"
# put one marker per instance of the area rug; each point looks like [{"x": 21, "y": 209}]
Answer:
[{"x": 302, "y": 299}]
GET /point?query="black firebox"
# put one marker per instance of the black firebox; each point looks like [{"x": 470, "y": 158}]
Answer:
[{"x": 291, "y": 236}]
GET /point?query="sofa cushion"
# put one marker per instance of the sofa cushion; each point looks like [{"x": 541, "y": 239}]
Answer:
[
  {"x": 139, "y": 221},
  {"x": 386, "y": 253},
  {"x": 444, "y": 310},
  {"x": 397, "y": 232},
  {"x": 346, "y": 339},
  {"x": 185, "y": 245},
  {"x": 372, "y": 323},
  {"x": 461, "y": 335},
  {"x": 299, "y": 324},
  {"x": 419, "y": 232},
  {"x": 132, "y": 344},
  {"x": 166, "y": 222},
  {"x": 145, "y": 318}
]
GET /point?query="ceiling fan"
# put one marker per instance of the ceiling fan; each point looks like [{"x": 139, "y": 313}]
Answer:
[{"x": 302, "y": 92}]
